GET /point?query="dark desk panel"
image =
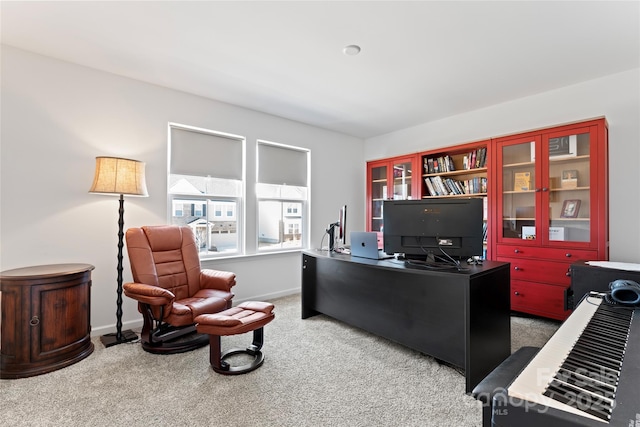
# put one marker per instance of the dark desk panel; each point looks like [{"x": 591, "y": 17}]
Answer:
[{"x": 462, "y": 318}]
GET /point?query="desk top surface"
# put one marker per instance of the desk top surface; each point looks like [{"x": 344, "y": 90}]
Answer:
[{"x": 401, "y": 265}]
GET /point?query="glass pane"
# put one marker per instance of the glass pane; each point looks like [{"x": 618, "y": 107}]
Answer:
[
  {"x": 518, "y": 191},
  {"x": 279, "y": 224},
  {"x": 274, "y": 191},
  {"x": 204, "y": 185},
  {"x": 214, "y": 223},
  {"x": 569, "y": 190},
  {"x": 402, "y": 181},
  {"x": 378, "y": 195}
]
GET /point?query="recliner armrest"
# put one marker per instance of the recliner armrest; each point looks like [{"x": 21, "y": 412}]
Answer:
[
  {"x": 216, "y": 279},
  {"x": 148, "y": 294}
]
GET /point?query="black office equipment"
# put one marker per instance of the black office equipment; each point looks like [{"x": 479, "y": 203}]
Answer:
[{"x": 429, "y": 228}]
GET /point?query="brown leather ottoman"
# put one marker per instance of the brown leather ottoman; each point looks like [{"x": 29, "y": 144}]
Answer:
[{"x": 246, "y": 317}]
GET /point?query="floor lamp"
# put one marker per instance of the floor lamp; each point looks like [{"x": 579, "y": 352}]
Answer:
[{"x": 117, "y": 176}]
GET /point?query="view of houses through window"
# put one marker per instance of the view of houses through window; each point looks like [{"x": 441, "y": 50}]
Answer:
[
  {"x": 214, "y": 220},
  {"x": 280, "y": 224}
]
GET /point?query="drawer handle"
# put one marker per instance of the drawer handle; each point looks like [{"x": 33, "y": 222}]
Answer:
[
  {"x": 516, "y": 293},
  {"x": 34, "y": 321},
  {"x": 517, "y": 251},
  {"x": 568, "y": 255},
  {"x": 516, "y": 268}
]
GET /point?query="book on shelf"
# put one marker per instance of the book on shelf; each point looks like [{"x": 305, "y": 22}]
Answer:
[
  {"x": 475, "y": 159},
  {"x": 522, "y": 181},
  {"x": 438, "y": 186},
  {"x": 439, "y": 164},
  {"x": 430, "y": 188}
]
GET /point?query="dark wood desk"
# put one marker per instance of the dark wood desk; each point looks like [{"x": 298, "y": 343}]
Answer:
[{"x": 462, "y": 318}]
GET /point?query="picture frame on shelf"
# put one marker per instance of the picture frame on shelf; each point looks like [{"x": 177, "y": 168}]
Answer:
[
  {"x": 569, "y": 179},
  {"x": 570, "y": 208}
]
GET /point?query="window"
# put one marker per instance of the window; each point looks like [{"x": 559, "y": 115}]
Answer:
[
  {"x": 282, "y": 190},
  {"x": 206, "y": 176}
]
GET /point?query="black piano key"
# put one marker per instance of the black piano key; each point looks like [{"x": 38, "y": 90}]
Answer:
[
  {"x": 578, "y": 399},
  {"x": 609, "y": 353},
  {"x": 588, "y": 356},
  {"x": 609, "y": 341},
  {"x": 615, "y": 331},
  {"x": 591, "y": 365},
  {"x": 599, "y": 373},
  {"x": 586, "y": 382}
]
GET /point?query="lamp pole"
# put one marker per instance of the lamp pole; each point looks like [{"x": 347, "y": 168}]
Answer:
[{"x": 120, "y": 336}]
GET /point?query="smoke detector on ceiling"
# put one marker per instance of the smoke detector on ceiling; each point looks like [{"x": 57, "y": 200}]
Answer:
[{"x": 351, "y": 50}]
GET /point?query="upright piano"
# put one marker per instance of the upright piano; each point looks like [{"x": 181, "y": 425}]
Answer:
[{"x": 587, "y": 374}]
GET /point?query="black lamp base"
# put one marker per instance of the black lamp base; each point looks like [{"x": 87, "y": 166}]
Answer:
[{"x": 112, "y": 339}]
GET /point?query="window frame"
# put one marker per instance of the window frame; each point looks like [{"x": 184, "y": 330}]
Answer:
[
  {"x": 240, "y": 201},
  {"x": 305, "y": 203}
]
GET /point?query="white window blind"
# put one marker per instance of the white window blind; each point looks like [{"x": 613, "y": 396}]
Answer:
[
  {"x": 200, "y": 153},
  {"x": 282, "y": 165}
]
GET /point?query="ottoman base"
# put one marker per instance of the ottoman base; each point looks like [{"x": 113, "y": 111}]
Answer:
[
  {"x": 246, "y": 317},
  {"x": 217, "y": 358}
]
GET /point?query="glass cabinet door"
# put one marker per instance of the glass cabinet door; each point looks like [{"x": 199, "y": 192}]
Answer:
[
  {"x": 517, "y": 188},
  {"x": 568, "y": 177},
  {"x": 389, "y": 180},
  {"x": 402, "y": 173},
  {"x": 379, "y": 190}
]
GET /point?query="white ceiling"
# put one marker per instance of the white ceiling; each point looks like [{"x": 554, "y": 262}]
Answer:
[{"x": 420, "y": 60}]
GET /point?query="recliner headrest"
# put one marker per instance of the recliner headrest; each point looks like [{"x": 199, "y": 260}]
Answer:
[{"x": 163, "y": 237}]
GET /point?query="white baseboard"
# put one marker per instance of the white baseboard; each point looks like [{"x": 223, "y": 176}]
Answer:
[{"x": 137, "y": 324}]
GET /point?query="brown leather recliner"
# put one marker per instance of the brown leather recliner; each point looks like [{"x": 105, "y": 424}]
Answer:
[{"x": 171, "y": 288}]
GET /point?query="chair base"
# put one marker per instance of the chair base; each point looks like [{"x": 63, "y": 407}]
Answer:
[
  {"x": 217, "y": 359},
  {"x": 178, "y": 346}
]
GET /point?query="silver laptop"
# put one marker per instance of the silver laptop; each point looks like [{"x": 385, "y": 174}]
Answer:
[{"x": 365, "y": 245}]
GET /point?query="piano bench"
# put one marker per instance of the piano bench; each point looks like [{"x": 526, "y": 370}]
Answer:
[{"x": 500, "y": 378}]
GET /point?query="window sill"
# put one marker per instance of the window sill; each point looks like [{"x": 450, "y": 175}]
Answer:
[{"x": 252, "y": 255}]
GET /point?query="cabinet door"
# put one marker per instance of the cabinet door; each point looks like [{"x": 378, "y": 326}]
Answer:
[
  {"x": 566, "y": 188},
  {"x": 517, "y": 188},
  {"x": 60, "y": 318},
  {"x": 402, "y": 176},
  {"x": 378, "y": 184},
  {"x": 390, "y": 179}
]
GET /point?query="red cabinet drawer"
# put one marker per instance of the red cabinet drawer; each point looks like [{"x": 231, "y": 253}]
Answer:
[
  {"x": 569, "y": 255},
  {"x": 538, "y": 299},
  {"x": 556, "y": 273}
]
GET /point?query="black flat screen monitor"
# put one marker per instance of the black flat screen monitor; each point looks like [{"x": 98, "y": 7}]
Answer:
[
  {"x": 342, "y": 225},
  {"x": 422, "y": 229}
]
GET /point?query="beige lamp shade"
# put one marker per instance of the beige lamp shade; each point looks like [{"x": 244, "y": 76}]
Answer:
[{"x": 115, "y": 175}]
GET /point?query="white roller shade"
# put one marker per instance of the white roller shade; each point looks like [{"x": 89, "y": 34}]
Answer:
[
  {"x": 281, "y": 165},
  {"x": 205, "y": 154}
]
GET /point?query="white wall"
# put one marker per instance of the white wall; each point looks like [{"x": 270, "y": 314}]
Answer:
[
  {"x": 617, "y": 97},
  {"x": 57, "y": 117}
]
